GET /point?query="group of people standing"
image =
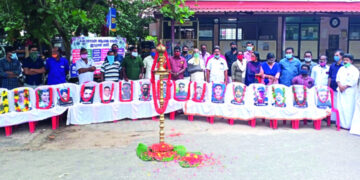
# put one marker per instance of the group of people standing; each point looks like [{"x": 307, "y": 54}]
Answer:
[
  {"x": 236, "y": 66},
  {"x": 246, "y": 67}
]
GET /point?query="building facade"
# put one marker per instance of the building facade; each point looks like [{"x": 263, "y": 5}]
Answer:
[{"x": 317, "y": 26}]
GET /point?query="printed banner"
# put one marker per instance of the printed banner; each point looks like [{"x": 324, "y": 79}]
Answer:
[{"x": 97, "y": 48}]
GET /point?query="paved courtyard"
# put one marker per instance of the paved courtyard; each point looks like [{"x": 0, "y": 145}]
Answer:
[{"x": 107, "y": 151}]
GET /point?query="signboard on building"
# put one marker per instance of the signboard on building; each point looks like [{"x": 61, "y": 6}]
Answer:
[{"x": 97, "y": 48}]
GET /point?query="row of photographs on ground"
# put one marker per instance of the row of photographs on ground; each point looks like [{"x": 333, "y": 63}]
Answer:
[{"x": 46, "y": 97}]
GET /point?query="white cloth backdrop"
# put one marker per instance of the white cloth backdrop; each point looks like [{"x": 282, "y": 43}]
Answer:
[{"x": 79, "y": 113}]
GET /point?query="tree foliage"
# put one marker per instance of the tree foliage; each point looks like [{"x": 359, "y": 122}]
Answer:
[
  {"x": 175, "y": 10},
  {"x": 41, "y": 20},
  {"x": 133, "y": 18}
]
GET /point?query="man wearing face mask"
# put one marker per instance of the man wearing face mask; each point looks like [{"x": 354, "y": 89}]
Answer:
[
  {"x": 333, "y": 70},
  {"x": 308, "y": 61},
  {"x": 178, "y": 65},
  {"x": 204, "y": 55},
  {"x": 148, "y": 62},
  {"x": 85, "y": 67},
  {"x": 117, "y": 56},
  {"x": 185, "y": 54},
  {"x": 347, "y": 80},
  {"x": 231, "y": 57},
  {"x": 196, "y": 67},
  {"x": 57, "y": 67},
  {"x": 33, "y": 68},
  {"x": 133, "y": 65},
  {"x": 249, "y": 50},
  {"x": 110, "y": 69},
  {"x": 289, "y": 67},
  {"x": 304, "y": 78},
  {"x": 216, "y": 68},
  {"x": 320, "y": 73},
  {"x": 10, "y": 69}
]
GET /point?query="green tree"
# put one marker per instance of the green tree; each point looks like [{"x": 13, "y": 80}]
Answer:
[
  {"x": 43, "y": 19},
  {"x": 176, "y": 10},
  {"x": 133, "y": 19}
]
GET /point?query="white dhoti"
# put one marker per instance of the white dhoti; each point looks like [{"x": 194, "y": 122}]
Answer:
[
  {"x": 346, "y": 100},
  {"x": 355, "y": 123},
  {"x": 197, "y": 77},
  {"x": 333, "y": 114}
]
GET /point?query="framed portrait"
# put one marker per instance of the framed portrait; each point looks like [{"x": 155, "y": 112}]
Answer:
[
  {"x": 300, "y": 96},
  {"x": 199, "y": 92},
  {"x": 145, "y": 91},
  {"x": 181, "y": 90},
  {"x": 87, "y": 94},
  {"x": 22, "y": 100},
  {"x": 278, "y": 95},
  {"x": 65, "y": 97},
  {"x": 106, "y": 92},
  {"x": 323, "y": 97},
  {"x": 260, "y": 95},
  {"x": 4, "y": 101},
  {"x": 238, "y": 94},
  {"x": 126, "y": 91},
  {"x": 218, "y": 93},
  {"x": 44, "y": 98}
]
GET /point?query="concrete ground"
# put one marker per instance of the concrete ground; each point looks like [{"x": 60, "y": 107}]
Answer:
[{"x": 107, "y": 151}]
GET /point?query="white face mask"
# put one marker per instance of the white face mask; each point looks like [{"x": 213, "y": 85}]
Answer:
[{"x": 135, "y": 54}]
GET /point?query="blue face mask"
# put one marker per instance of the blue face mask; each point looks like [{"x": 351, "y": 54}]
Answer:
[
  {"x": 304, "y": 72},
  {"x": 288, "y": 56},
  {"x": 249, "y": 48},
  {"x": 110, "y": 59},
  {"x": 336, "y": 58},
  {"x": 152, "y": 54},
  {"x": 14, "y": 56},
  {"x": 217, "y": 56}
]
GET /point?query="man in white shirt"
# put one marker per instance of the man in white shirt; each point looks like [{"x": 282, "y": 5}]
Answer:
[
  {"x": 347, "y": 79},
  {"x": 320, "y": 73},
  {"x": 85, "y": 67},
  {"x": 216, "y": 68},
  {"x": 148, "y": 62}
]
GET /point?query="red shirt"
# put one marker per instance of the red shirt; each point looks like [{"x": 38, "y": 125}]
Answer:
[{"x": 177, "y": 64}]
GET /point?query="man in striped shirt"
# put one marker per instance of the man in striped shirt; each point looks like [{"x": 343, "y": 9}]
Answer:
[{"x": 110, "y": 69}]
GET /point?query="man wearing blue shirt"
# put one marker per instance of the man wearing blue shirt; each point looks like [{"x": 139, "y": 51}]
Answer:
[
  {"x": 33, "y": 68},
  {"x": 57, "y": 67},
  {"x": 115, "y": 49},
  {"x": 290, "y": 67},
  {"x": 334, "y": 68},
  {"x": 333, "y": 71},
  {"x": 185, "y": 54}
]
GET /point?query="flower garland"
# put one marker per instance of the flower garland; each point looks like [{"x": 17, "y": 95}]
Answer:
[
  {"x": 243, "y": 94},
  {"x": 168, "y": 67},
  {"x": 62, "y": 99},
  {"x": 257, "y": 97},
  {"x": 5, "y": 102},
  {"x": 50, "y": 99},
  {"x": 111, "y": 94},
  {"x": 131, "y": 92},
  {"x": 296, "y": 99},
  {"x": 26, "y": 100},
  {"x": 327, "y": 97},
  {"x": 165, "y": 152},
  {"x": 274, "y": 96},
  {"x": 82, "y": 93},
  {"x": 202, "y": 94},
  {"x": 187, "y": 96}
]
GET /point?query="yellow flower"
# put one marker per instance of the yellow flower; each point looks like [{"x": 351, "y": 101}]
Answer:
[
  {"x": 6, "y": 101},
  {"x": 6, "y": 109}
]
